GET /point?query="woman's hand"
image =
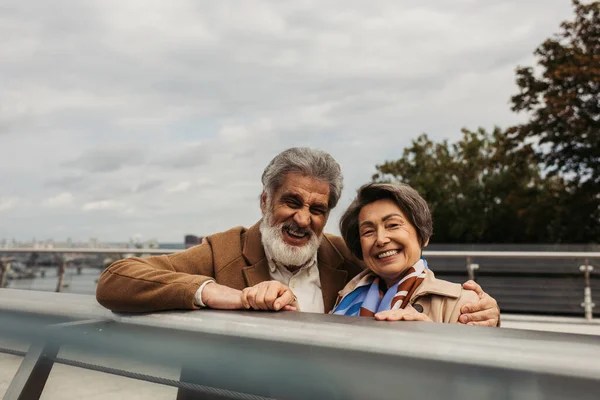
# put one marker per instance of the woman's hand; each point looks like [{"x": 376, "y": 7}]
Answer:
[
  {"x": 406, "y": 314},
  {"x": 269, "y": 295}
]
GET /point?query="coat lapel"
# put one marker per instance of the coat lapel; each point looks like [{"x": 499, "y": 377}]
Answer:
[
  {"x": 329, "y": 261},
  {"x": 332, "y": 278},
  {"x": 254, "y": 253},
  {"x": 257, "y": 273}
]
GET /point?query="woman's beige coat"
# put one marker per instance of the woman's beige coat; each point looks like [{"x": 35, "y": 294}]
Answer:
[{"x": 439, "y": 300}]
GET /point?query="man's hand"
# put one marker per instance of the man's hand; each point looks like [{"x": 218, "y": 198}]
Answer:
[
  {"x": 485, "y": 312},
  {"x": 406, "y": 314},
  {"x": 221, "y": 297},
  {"x": 269, "y": 295}
]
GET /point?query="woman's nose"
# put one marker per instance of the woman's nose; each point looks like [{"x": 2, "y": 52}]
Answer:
[{"x": 382, "y": 238}]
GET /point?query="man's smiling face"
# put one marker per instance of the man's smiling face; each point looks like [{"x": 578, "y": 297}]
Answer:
[
  {"x": 295, "y": 217},
  {"x": 300, "y": 204}
]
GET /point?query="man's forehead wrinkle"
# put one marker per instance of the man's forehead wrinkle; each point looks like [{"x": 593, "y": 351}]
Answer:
[{"x": 305, "y": 196}]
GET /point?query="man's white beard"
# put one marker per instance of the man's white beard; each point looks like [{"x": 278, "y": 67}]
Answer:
[{"x": 283, "y": 253}]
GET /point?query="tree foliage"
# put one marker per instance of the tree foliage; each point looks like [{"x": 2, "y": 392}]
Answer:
[
  {"x": 484, "y": 189},
  {"x": 538, "y": 182},
  {"x": 563, "y": 99}
]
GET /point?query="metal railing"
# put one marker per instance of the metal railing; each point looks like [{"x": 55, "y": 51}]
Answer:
[
  {"x": 63, "y": 263},
  {"x": 584, "y": 265},
  {"x": 288, "y": 355}
]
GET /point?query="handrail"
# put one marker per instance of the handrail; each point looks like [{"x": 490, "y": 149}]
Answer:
[
  {"x": 354, "y": 357},
  {"x": 429, "y": 253},
  {"x": 584, "y": 267},
  {"x": 69, "y": 250}
]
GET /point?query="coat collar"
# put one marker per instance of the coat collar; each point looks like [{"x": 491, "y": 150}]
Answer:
[
  {"x": 329, "y": 260},
  {"x": 332, "y": 278},
  {"x": 254, "y": 253},
  {"x": 432, "y": 285}
]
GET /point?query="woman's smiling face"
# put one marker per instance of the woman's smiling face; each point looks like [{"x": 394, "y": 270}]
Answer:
[{"x": 389, "y": 242}]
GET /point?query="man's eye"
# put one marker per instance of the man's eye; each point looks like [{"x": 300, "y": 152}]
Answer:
[
  {"x": 292, "y": 203},
  {"x": 318, "y": 211}
]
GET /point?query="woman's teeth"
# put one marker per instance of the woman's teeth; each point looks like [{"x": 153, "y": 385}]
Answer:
[{"x": 387, "y": 254}]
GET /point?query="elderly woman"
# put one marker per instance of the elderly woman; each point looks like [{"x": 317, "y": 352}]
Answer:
[{"x": 387, "y": 226}]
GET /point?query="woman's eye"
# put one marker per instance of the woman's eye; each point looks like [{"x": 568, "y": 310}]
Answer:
[
  {"x": 367, "y": 233},
  {"x": 393, "y": 226}
]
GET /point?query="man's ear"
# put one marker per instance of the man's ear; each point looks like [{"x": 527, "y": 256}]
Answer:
[{"x": 263, "y": 202}]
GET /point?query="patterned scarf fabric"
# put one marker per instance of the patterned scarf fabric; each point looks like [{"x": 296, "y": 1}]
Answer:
[{"x": 367, "y": 298}]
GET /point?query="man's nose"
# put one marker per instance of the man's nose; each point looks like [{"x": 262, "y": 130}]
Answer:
[{"x": 302, "y": 218}]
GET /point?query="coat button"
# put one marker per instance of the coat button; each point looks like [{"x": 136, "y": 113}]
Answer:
[{"x": 418, "y": 307}]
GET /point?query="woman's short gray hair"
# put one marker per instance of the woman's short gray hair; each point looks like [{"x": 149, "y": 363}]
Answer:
[
  {"x": 408, "y": 199},
  {"x": 308, "y": 162}
]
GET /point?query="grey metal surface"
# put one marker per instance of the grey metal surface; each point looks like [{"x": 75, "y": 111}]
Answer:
[
  {"x": 547, "y": 282},
  {"x": 88, "y": 251},
  {"x": 454, "y": 343},
  {"x": 33, "y": 373},
  {"x": 511, "y": 254},
  {"x": 300, "y": 355},
  {"x": 426, "y": 253},
  {"x": 304, "y": 371},
  {"x": 67, "y": 305}
]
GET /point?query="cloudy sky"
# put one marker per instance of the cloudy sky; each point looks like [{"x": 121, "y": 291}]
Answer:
[{"x": 157, "y": 118}]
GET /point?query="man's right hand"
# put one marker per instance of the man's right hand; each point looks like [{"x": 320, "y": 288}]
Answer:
[
  {"x": 269, "y": 295},
  {"x": 221, "y": 297}
]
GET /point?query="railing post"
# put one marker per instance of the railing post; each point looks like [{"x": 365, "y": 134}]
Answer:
[
  {"x": 471, "y": 268},
  {"x": 29, "y": 381},
  {"x": 62, "y": 267},
  {"x": 3, "y": 273},
  {"x": 588, "y": 305}
]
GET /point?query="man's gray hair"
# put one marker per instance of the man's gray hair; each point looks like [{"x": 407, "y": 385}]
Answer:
[{"x": 308, "y": 162}]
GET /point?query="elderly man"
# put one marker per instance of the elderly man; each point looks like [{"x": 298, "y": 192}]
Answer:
[{"x": 284, "y": 261}]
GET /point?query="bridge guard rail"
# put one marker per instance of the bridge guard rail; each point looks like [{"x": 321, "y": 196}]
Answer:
[{"x": 288, "y": 355}]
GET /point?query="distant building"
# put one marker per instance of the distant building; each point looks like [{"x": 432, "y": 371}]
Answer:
[
  {"x": 192, "y": 240},
  {"x": 93, "y": 243}
]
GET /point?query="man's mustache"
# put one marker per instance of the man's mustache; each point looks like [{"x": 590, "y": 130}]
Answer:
[{"x": 294, "y": 226}]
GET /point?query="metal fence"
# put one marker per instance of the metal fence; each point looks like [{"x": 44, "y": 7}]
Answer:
[
  {"x": 525, "y": 282},
  {"x": 287, "y": 355}
]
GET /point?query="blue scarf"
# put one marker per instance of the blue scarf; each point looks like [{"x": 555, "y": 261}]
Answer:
[{"x": 367, "y": 299}]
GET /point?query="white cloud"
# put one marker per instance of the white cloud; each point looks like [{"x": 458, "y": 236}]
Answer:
[
  {"x": 60, "y": 200},
  {"x": 103, "y": 205},
  {"x": 7, "y": 203},
  {"x": 164, "y": 115},
  {"x": 181, "y": 187}
]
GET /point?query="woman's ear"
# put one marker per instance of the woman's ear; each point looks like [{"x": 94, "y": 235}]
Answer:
[{"x": 426, "y": 243}]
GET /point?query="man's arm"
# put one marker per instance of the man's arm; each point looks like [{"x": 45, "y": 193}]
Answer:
[
  {"x": 484, "y": 312},
  {"x": 155, "y": 283}
]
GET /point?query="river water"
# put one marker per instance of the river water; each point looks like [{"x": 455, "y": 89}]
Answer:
[{"x": 73, "y": 282}]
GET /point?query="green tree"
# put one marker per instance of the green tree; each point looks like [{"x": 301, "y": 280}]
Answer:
[
  {"x": 562, "y": 98},
  {"x": 538, "y": 182},
  {"x": 484, "y": 189}
]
